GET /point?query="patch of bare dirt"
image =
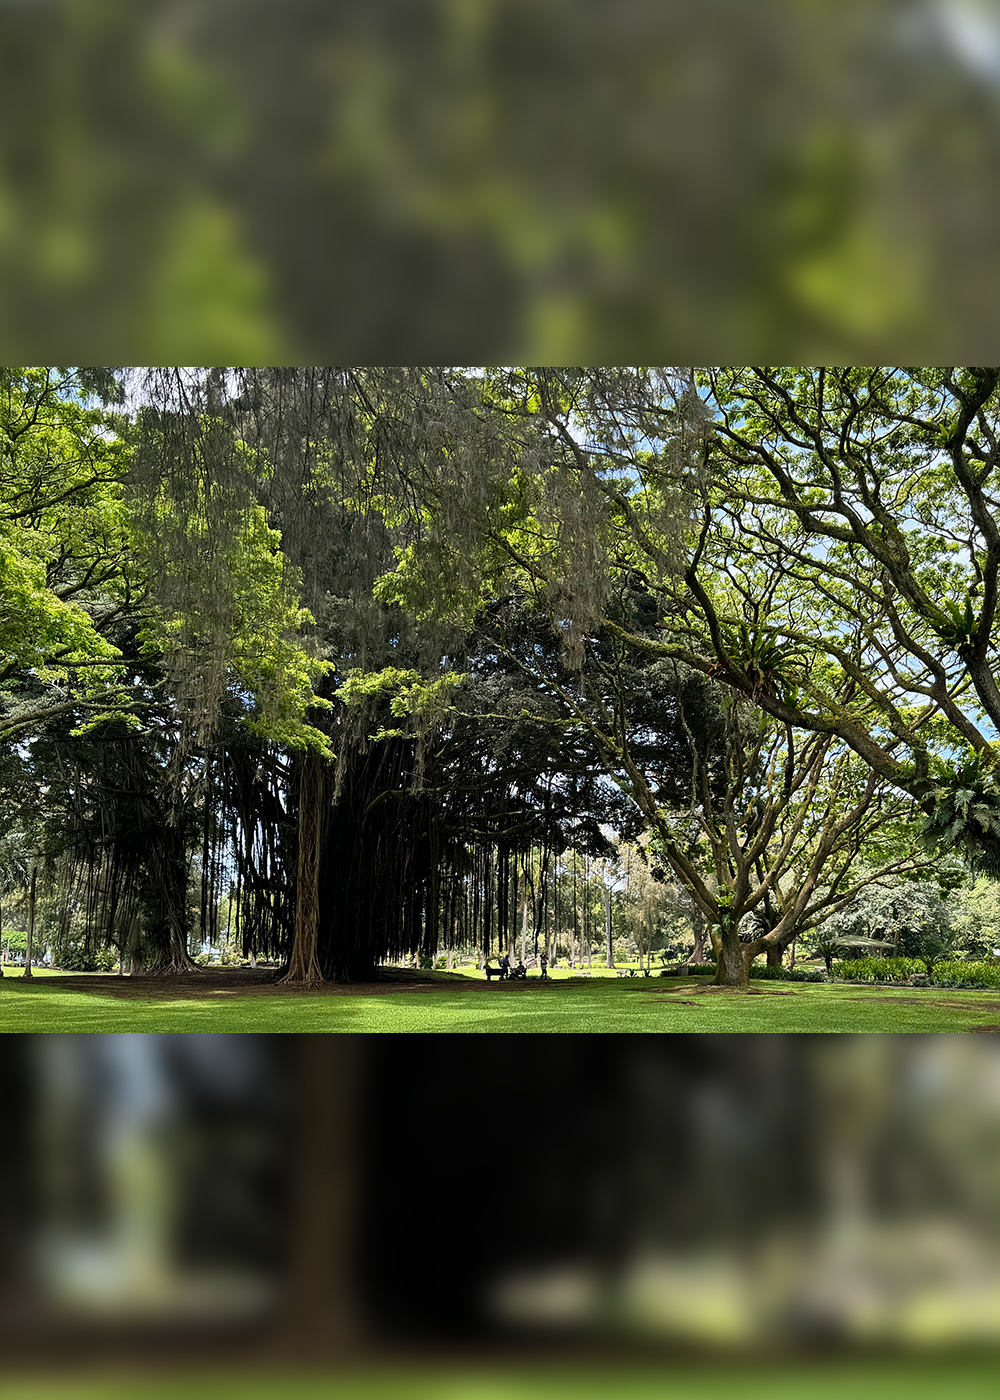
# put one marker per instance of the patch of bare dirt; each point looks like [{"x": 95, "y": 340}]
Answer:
[
  {"x": 218, "y": 983},
  {"x": 936, "y": 1001},
  {"x": 213, "y": 984},
  {"x": 711, "y": 990}
]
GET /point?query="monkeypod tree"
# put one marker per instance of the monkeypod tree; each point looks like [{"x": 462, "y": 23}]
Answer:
[
  {"x": 821, "y": 540},
  {"x": 872, "y": 494},
  {"x": 613, "y": 528},
  {"x": 764, "y": 830}
]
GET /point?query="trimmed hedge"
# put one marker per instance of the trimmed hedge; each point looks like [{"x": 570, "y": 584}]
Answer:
[
  {"x": 945, "y": 974},
  {"x": 877, "y": 969},
  {"x": 788, "y": 974},
  {"x": 777, "y": 974},
  {"x": 967, "y": 974}
]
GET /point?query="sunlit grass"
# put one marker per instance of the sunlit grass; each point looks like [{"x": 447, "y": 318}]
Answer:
[
  {"x": 855, "y": 1380},
  {"x": 14, "y": 971},
  {"x": 604, "y": 1006}
]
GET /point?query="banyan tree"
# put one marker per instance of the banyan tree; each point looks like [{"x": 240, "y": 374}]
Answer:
[{"x": 358, "y": 776}]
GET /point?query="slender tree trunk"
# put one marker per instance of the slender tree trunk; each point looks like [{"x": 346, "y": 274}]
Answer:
[
  {"x": 31, "y": 922},
  {"x": 488, "y": 907},
  {"x": 576, "y": 951},
  {"x": 511, "y": 931},
  {"x": 534, "y": 908},
  {"x": 452, "y": 915},
  {"x": 320, "y": 1310},
  {"x": 698, "y": 955},
  {"x": 607, "y": 926},
  {"x": 206, "y": 872},
  {"x": 586, "y": 911},
  {"x": 303, "y": 965}
]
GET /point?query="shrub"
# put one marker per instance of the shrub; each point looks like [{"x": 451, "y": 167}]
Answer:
[
  {"x": 75, "y": 957},
  {"x": 877, "y": 969},
  {"x": 782, "y": 974},
  {"x": 967, "y": 974},
  {"x": 788, "y": 974}
]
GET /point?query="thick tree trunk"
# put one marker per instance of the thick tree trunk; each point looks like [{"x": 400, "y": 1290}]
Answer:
[
  {"x": 733, "y": 958},
  {"x": 175, "y": 958},
  {"x": 169, "y": 867},
  {"x": 733, "y": 964},
  {"x": 303, "y": 965},
  {"x": 775, "y": 951}
]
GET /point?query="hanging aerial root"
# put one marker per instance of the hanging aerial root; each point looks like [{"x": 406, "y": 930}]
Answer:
[{"x": 303, "y": 967}]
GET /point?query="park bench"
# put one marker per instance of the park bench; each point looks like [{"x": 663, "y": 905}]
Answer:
[{"x": 514, "y": 973}]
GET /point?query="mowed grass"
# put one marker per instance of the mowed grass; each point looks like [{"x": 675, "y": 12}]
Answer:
[
  {"x": 459, "y": 1006},
  {"x": 903, "y": 1379}
]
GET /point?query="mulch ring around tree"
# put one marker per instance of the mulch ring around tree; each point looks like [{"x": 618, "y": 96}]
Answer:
[{"x": 214, "y": 983}]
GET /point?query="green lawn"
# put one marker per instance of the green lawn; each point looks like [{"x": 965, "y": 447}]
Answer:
[
  {"x": 906, "y": 1379},
  {"x": 455, "y": 1004}
]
